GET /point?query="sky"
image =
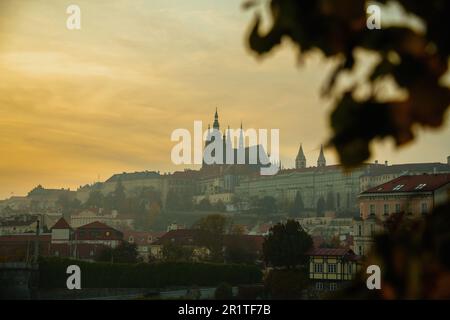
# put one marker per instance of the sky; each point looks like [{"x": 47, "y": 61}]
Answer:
[{"x": 77, "y": 106}]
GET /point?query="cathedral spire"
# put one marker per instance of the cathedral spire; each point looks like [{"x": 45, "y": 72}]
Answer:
[
  {"x": 216, "y": 121},
  {"x": 321, "y": 162},
  {"x": 300, "y": 161},
  {"x": 241, "y": 138}
]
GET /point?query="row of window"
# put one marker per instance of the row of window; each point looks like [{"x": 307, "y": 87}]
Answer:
[
  {"x": 332, "y": 286},
  {"x": 318, "y": 268},
  {"x": 386, "y": 211}
]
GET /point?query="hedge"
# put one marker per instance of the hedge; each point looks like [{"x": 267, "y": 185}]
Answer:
[{"x": 52, "y": 274}]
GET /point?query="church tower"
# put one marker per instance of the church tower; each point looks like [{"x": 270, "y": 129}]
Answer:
[
  {"x": 300, "y": 161},
  {"x": 321, "y": 162},
  {"x": 216, "y": 125}
]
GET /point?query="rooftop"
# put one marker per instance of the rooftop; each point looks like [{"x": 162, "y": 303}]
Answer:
[
  {"x": 411, "y": 183},
  {"x": 61, "y": 224}
]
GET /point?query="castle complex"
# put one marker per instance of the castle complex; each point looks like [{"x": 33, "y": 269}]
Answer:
[{"x": 318, "y": 185}]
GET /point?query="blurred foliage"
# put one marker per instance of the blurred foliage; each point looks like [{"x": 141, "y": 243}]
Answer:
[
  {"x": 415, "y": 61},
  {"x": 414, "y": 257}
]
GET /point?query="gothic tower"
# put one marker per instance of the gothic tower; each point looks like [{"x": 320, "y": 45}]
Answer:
[
  {"x": 216, "y": 121},
  {"x": 300, "y": 161},
  {"x": 321, "y": 162}
]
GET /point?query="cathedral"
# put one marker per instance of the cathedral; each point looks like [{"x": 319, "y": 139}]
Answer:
[{"x": 240, "y": 156}]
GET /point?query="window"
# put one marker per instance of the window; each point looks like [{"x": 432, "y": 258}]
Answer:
[
  {"x": 397, "y": 208},
  {"x": 332, "y": 268},
  {"x": 424, "y": 207},
  {"x": 319, "y": 285},
  {"x": 131, "y": 239},
  {"x": 420, "y": 186},
  {"x": 398, "y": 187},
  {"x": 92, "y": 253},
  {"x": 318, "y": 267},
  {"x": 372, "y": 209},
  {"x": 359, "y": 230},
  {"x": 386, "y": 209},
  {"x": 349, "y": 268},
  {"x": 361, "y": 252},
  {"x": 333, "y": 286}
]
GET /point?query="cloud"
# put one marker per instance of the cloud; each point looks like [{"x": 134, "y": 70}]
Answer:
[{"x": 105, "y": 99}]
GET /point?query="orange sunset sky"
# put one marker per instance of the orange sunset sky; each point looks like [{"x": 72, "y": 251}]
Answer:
[{"x": 83, "y": 104}]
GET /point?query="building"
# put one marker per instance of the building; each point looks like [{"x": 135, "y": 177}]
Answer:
[
  {"x": 111, "y": 218},
  {"x": 331, "y": 269},
  {"x": 332, "y": 185},
  {"x": 42, "y": 198},
  {"x": 300, "y": 160},
  {"x": 143, "y": 242},
  {"x": 415, "y": 195},
  {"x": 26, "y": 223},
  {"x": 20, "y": 247},
  {"x": 363, "y": 233},
  {"x": 379, "y": 174},
  {"x": 180, "y": 237},
  {"x": 84, "y": 243},
  {"x": 18, "y": 225}
]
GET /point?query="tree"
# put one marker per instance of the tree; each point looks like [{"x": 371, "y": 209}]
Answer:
[
  {"x": 63, "y": 201},
  {"x": 237, "y": 252},
  {"x": 173, "y": 200},
  {"x": 204, "y": 205},
  {"x": 321, "y": 206},
  {"x": 337, "y": 29},
  {"x": 220, "y": 206},
  {"x": 265, "y": 205},
  {"x": 119, "y": 197},
  {"x": 330, "y": 201},
  {"x": 174, "y": 252},
  {"x": 286, "y": 245},
  {"x": 96, "y": 199},
  {"x": 237, "y": 202},
  {"x": 297, "y": 207},
  {"x": 210, "y": 234},
  {"x": 124, "y": 253}
]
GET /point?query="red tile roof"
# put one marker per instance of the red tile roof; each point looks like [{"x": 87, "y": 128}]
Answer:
[
  {"x": 412, "y": 183},
  {"x": 330, "y": 252},
  {"x": 61, "y": 224},
  {"x": 141, "y": 237},
  {"x": 179, "y": 237},
  {"x": 95, "y": 225},
  {"x": 98, "y": 231},
  {"x": 20, "y": 238}
]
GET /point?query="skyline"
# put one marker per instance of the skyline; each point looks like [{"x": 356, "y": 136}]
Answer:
[{"x": 76, "y": 105}]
